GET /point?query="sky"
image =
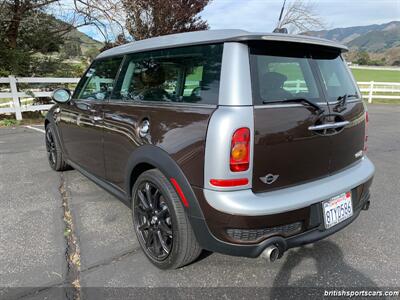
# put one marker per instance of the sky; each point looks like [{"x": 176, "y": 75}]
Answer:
[{"x": 262, "y": 15}]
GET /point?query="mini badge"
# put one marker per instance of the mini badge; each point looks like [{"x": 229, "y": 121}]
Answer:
[{"x": 269, "y": 178}]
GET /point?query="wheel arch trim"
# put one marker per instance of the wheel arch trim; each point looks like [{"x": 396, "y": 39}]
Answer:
[{"x": 154, "y": 156}]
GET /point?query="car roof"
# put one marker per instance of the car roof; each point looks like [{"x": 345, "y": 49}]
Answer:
[{"x": 213, "y": 36}]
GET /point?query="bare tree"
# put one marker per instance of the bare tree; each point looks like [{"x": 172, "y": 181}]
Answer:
[
  {"x": 149, "y": 18},
  {"x": 300, "y": 16},
  {"x": 108, "y": 16},
  {"x": 121, "y": 21}
]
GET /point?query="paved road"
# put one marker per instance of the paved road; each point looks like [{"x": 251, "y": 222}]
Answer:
[{"x": 32, "y": 245}]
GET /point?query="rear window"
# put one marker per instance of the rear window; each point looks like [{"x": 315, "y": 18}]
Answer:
[
  {"x": 188, "y": 74},
  {"x": 283, "y": 72},
  {"x": 336, "y": 78}
]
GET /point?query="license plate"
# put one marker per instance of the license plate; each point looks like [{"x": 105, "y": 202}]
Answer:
[{"x": 337, "y": 209}]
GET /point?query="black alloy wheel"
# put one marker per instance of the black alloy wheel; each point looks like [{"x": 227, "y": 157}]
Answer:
[
  {"x": 51, "y": 149},
  {"x": 153, "y": 221},
  {"x": 161, "y": 223},
  {"x": 54, "y": 153}
]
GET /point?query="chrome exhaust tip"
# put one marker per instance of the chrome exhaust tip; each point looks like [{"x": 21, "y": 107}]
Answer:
[
  {"x": 366, "y": 205},
  {"x": 270, "y": 253}
]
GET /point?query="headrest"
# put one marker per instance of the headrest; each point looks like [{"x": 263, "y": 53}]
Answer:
[{"x": 274, "y": 79}]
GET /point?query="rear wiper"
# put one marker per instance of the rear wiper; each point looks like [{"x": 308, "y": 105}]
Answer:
[
  {"x": 301, "y": 100},
  {"x": 342, "y": 99},
  {"x": 342, "y": 102}
]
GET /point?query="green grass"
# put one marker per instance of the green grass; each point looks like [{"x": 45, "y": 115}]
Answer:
[
  {"x": 376, "y": 75},
  {"x": 8, "y": 122},
  {"x": 4, "y": 100},
  {"x": 385, "y": 101}
]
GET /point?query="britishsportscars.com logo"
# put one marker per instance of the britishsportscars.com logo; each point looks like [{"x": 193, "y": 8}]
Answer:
[{"x": 361, "y": 293}]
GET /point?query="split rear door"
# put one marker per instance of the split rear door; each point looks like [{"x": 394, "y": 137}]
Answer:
[{"x": 297, "y": 138}]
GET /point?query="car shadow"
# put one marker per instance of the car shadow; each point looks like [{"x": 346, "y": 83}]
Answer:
[{"x": 331, "y": 272}]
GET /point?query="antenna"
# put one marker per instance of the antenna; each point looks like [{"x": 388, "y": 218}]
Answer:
[
  {"x": 280, "y": 16},
  {"x": 279, "y": 29}
]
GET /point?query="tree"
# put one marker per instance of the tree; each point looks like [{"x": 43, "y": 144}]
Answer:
[
  {"x": 362, "y": 58},
  {"x": 126, "y": 20},
  {"x": 120, "y": 40},
  {"x": 17, "y": 10},
  {"x": 30, "y": 35},
  {"x": 150, "y": 18},
  {"x": 396, "y": 63},
  {"x": 300, "y": 16},
  {"x": 25, "y": 30},
  {"x": 108, "y": 16}
]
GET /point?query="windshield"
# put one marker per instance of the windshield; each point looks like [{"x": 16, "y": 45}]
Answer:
[{"x": 284, "y": 72}]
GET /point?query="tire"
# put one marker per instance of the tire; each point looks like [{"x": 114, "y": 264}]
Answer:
[
  {"x": 171, "y": 225},
  {"x": 53, "y": 148}
]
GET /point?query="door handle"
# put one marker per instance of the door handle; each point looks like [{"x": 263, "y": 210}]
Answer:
[
  {"x": 96, "y": 118},
  {"x": 144, "y": 128},
  {"x": 329, "y": 126}
]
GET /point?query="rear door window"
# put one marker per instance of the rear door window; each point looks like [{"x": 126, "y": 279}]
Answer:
[
  {"x": 283, "y": 72},
  {"x": 189, "y": 75},
  {"x": 279, "y": 74},
  {"x": 284, "y": 78},
  {"x": 336, "y": 78}
]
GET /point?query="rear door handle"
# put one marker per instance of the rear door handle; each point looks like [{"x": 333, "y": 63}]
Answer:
[
  {"x": 329, "y": 126},
  {"x": 96, "y": 118},
  {"x": 144, "y": 128}
]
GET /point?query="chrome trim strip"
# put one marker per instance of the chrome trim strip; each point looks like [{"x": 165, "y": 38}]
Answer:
[
  {"x": 354, "y": 101},
  {"x": 336, "y": 102},
  {"x": 160, "y": 104},
  {"x": 246, "y": 203},
  {"x": 223, "y": 123},
  {"x": 235, "y": 83},
  {"x": 278, "y": 105},
  {"x": 329, "y": 125}
]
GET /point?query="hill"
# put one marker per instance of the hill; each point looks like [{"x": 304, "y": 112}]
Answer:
[
  {"x": 380, "y": 41},
  {"x": 77, "y": 44}
]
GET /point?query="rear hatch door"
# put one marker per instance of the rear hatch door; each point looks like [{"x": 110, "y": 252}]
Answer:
[
  {"x": 346, "y": 106},
  {"x": 286, "y": 151}
]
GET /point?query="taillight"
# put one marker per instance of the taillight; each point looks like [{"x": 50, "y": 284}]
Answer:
[
  {"x": 366, "y": 132},
  {"x": 240, "y": 150}
]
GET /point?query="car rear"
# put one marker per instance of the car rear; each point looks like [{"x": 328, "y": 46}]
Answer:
[{"x": 285, "y": 160}]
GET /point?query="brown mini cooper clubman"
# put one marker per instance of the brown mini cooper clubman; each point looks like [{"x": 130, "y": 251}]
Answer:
[{"x": 241, "y": 143}]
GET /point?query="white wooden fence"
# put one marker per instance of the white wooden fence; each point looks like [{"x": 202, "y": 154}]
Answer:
[
  {"x": 379, "y": 90},
  {"x": 23, "y": 101},
  {"x": 19, "y": 98},
  {"x": 370, "y": 90}
]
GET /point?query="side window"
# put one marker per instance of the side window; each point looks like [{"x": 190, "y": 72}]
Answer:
[
  {"x": 99, "y": 79},
  {"x": 188, "y": 74}
]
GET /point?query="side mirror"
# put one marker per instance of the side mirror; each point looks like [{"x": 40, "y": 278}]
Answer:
[{"x": 61, "y": 95}]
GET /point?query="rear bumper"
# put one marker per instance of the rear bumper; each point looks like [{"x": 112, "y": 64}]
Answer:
[
  {"x": 208, "y": 241},
  {"x": 212, "y": 232},
  {"x": 246, "y": 203}
]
